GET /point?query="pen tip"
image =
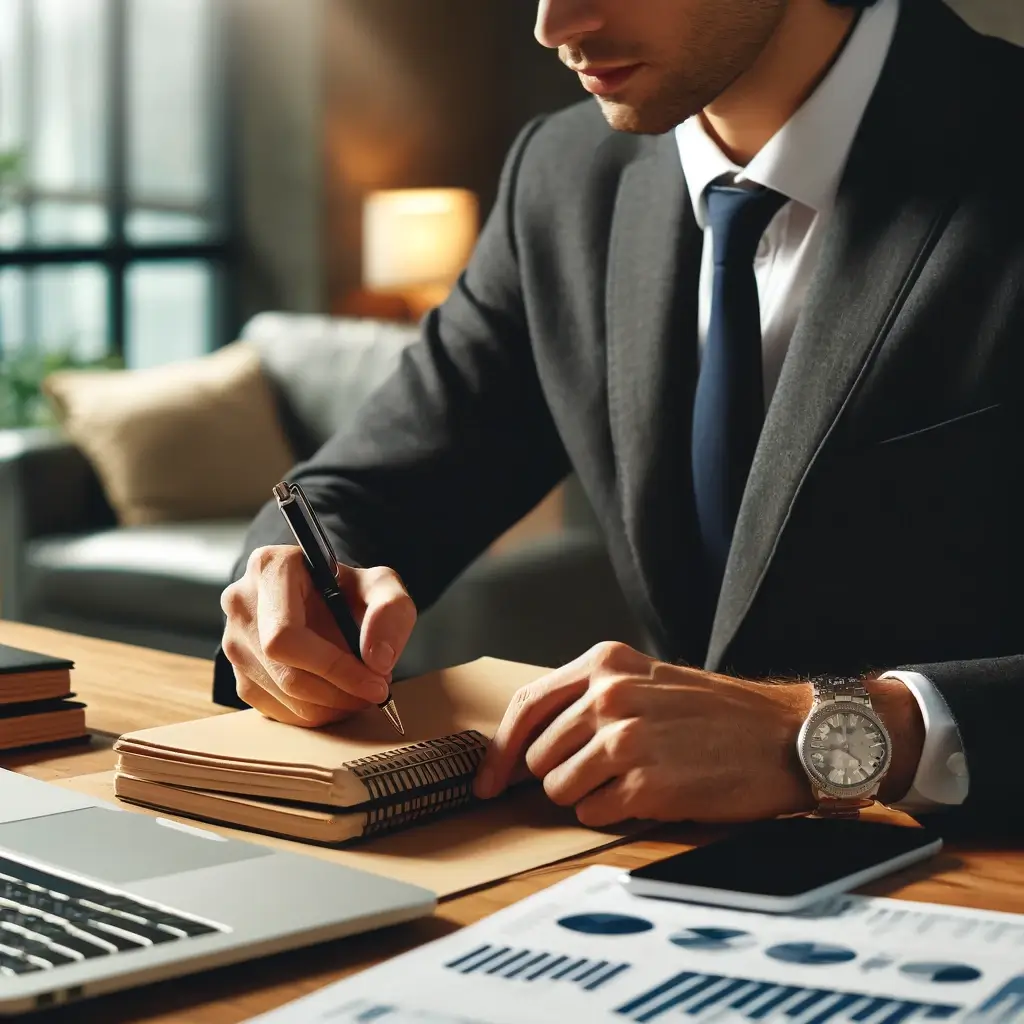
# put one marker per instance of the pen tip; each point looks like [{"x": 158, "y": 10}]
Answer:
[{"x": 389, "y": 709}]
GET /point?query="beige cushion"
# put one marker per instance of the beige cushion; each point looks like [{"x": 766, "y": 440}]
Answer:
[{"x": 191, "y": 440}]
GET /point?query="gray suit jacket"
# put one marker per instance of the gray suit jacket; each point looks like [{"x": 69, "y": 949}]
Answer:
[{"x": 880, "y": 526}]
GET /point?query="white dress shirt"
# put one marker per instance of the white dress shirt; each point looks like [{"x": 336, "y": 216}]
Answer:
[{"x": 804, "y": 161}]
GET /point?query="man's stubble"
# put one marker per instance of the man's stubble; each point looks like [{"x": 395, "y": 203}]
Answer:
[{"x": 723, "y": 41}]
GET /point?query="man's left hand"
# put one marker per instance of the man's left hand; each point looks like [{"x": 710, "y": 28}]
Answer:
[{"x": 619, "y": 735}]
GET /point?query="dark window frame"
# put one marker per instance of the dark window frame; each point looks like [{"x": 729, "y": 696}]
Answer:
[{"x": 118, "y": 254}]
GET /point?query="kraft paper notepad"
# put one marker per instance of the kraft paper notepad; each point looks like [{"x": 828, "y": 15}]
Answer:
[{"x": 330, "y": 785}]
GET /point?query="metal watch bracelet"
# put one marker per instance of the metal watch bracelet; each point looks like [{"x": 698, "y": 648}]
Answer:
[{"x": 828, "y": 690}]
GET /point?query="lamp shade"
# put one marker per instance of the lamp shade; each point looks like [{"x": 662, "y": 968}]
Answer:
[{"x": 417, "y": 238}]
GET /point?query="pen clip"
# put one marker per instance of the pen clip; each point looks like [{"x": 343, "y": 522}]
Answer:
[{"x": 313, "y": 523}]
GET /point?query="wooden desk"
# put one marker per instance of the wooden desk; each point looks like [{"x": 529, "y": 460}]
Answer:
[{"x": 128, "y": 688}]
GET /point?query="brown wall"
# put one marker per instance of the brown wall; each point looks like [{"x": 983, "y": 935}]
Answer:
[
  {"x": 277, "y": 125},
  {"x": 418, "y": 92},
  {"x": 424, "y": 93}
]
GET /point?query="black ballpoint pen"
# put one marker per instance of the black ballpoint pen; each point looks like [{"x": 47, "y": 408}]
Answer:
[{"x": 323, "y": 568}]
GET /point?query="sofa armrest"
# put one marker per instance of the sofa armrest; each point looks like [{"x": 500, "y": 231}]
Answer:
[{"x": 46, "y": 487}]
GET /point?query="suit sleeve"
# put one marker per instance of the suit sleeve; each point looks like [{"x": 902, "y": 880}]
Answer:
[
  {"x": 454, "y": 448},
  {"x": 986, "y": 700}
]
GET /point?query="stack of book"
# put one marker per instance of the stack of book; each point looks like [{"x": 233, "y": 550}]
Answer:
[{"x": 36, "y": 702}]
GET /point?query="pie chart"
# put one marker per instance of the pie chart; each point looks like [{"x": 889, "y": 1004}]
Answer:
[
  {"x": 606, "y": 924},
  {"x": 712, "y": 940},
  {"x": 810, "y": 953},
  {"x": 944, "y": 973}
]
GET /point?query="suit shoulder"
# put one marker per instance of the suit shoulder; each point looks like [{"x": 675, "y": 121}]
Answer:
[
  {"x": 992, "y": 84},
  {"x": 1004, "y": 63},
  {"x": 982, "y": 63},
  {"x": 582, "y": 121},
  {"x": 569, "y": 174},
  {"x": 577, "y": 139}
]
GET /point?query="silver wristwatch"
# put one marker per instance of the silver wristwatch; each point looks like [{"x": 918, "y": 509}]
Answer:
[{"x": 844, "y": 747}]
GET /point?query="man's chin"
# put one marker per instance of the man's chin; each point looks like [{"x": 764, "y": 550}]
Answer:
[{"x": 634, "y": 118}]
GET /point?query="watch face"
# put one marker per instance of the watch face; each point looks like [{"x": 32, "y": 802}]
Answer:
[{"x": 845, "y": 748}]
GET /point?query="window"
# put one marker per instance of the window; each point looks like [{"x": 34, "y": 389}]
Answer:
[{"x": 115, "y": 237}]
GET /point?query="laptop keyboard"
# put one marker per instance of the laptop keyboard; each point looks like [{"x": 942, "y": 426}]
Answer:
[{"x": 47, "y": 921}]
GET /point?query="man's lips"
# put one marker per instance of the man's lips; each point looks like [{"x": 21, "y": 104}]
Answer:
[{"x": 603, "y": 81}]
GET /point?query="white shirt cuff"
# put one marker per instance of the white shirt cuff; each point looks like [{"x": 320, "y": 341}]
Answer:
[{"x": 942, "y": 778}]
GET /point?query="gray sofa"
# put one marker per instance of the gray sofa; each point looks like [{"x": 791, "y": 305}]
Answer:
[{"x": 66, "y": 563}]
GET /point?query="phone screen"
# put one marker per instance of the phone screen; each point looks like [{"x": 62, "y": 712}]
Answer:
[{"x": 788, "y": 856}]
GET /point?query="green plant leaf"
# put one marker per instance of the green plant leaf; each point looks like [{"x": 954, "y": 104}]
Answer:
[
  {"x": 22, "y": 402},
  {"x": 10, "y": 174}
]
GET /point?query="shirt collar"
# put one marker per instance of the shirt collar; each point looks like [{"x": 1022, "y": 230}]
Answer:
[{"x": 805, "y": 158}]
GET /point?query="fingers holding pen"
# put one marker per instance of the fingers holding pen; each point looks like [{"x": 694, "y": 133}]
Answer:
[
  {"x": 296, "y": 629},
  {"x": 386, "y": 613}
]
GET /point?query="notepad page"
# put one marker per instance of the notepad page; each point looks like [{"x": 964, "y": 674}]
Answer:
[{"x": 468, "y": 697}]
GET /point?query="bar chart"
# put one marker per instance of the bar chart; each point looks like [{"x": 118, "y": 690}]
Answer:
[
  {"x": 1005, "y": 1005},
  {"x": 705, "y": 995},
  {"x": 529, "y": 965}
]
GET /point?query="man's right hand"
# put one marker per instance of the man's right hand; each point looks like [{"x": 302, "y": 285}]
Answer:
[{"x": 291, "y": 662}]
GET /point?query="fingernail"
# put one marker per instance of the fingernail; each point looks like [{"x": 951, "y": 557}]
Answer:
[
  {"x": 378, "y": 689},
  {"x": 382, "y": 656},
  {"x": 484, "y": 783}
]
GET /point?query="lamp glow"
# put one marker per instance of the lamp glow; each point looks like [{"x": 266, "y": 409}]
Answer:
[{"x": 417, "y": 241}]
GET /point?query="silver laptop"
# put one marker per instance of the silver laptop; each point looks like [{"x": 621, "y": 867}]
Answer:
[{"x": 94, "y": 898}]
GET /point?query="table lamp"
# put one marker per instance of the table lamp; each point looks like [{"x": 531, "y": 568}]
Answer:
[{"x": 416, "y": 243}]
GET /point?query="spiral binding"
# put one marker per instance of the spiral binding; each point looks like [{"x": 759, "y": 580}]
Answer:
[{"x": 419, "y": 780}]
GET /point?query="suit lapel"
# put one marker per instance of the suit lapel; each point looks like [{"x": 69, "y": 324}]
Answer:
[
  {"x": 653, "y": 276},
  {"x": 898, "y": 190}
]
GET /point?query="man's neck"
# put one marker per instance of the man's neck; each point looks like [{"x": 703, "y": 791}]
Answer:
[{"x": 804, "y": 47}]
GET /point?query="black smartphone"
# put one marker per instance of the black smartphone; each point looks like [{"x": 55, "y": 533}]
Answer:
[{"x": 785, "y": 864}]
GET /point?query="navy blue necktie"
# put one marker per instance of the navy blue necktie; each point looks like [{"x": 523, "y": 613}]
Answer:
[{"x": 728, "y": 408}]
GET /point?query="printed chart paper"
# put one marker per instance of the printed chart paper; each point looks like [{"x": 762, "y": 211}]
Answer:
[{"x": 586, "y": 950}]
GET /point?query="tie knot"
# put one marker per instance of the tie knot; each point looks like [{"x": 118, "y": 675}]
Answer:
[{"x": 738, "y": 218}]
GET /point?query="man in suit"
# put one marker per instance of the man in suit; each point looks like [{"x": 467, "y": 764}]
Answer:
[{"x": 765, "y": 295}]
